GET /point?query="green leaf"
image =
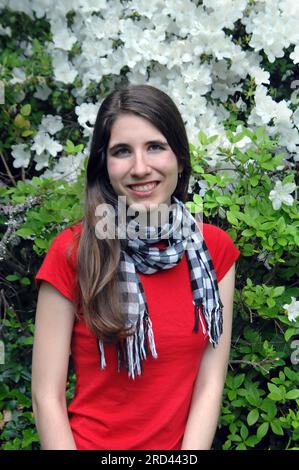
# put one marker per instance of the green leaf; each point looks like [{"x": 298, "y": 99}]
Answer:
[
  {"x": 274, "y": 388},
  {"x": 223, "y": 200},
  {"x": 202, "y": 137},
  {"x": 260, "y": 132},
  {"x": 267, "y": 225},
  {"x": 276, "y": 428},
  {"x": 252, "y": 417},
  {"x": 278, "y": 291},
  {"x": 238, "y": 380},
  {"x": 276, "y": 394},
  {"x": 235, "y": 438},
  {"x": 41, "y": 243},
  {"x": 244, "y": 432},
  {"x": 198, "y": 169},
  {"x": 252, "y": 441},
  {"x": 26, "y": 110},
  {"x": 271, "y": 303},
  {"x": 12, "y": 277},
  {"x": 292, "y": 394},
  {"x": 193, "y": 208},
  {"x": 282, "y": 241},
  {"x": 232, "y": 394},
  {"x": 241, "y": 446},
  {"x": 247, "y": 233},
  {"x": 24, "y": 232},
  {"x": 226, "y": 445},
  {"x": 27, "y": 133},
  {"x": 25, "y": 281},
  {"x": 212, "y": 179},
  {"x": 21, "y": 122},
  {"x": 28, "y": 341},
  {"x": 198, "y": 199},
  {"x": 262, "y": 430},
  {"x": 231, "y": 218},
  {"x": 270, "y": 408}
]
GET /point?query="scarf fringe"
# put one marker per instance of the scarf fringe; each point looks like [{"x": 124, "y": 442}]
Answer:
[
  {"x": 131, "y": 351},
  {"x": 213, "y": 319},
  {"x": 102, "y": 354}
]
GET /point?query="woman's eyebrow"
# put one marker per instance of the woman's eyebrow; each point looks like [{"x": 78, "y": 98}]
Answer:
[{"x": 123, "y": 144}]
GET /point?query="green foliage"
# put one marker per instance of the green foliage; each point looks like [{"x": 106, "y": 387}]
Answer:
[
  {"x": 261, "y": 398},
  {"x": 55, "y": 204},
  {"x": 16, "y": 418}
]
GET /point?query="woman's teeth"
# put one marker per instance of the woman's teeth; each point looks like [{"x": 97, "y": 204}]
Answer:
[{"x": 146, "y": 187}]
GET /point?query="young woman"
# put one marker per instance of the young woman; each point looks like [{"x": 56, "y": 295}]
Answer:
[{"x": 147, "y": 317}]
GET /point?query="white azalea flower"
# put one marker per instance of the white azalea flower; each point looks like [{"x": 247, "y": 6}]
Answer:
[
  {"x": 62, "y": 37},
  {"x": 295, "y": 55},
  {"x": 296, "y": 117},
  {"x": 19, "y": 75},
  {"x": 204, "y": 186},
  {"x": 146, "y": 8},
  {"x": 292, "y": 309},
  {"x": 42, "y": 92},
  {"x": 24, "y": 6},
  {"x": 89, "y": 6},
  {"x": 51, "y": 124},
  {"x": 265, "y": 107},
  {"x": 273, "y": 27},
  {"x": 264, "y": 256},
  {"x": 260, "y": 75},
  {"x": 63, "y": 71},
  {"x": 282, "y": 113},
  {"x": 87, "y": 112},
  {"x": 41, "y": 160},
  {"x": 21, "y": 155},
  {"x": 281, "y": 194},
  {"x": 44, "y": 143},
  {"x": 5, "y": 31},
  {"x": 289, "y": 136},
  {"x": 67, "y": 168}
]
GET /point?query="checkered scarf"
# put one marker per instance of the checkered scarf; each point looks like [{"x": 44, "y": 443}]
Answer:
[{"x": 183, "y": 235}]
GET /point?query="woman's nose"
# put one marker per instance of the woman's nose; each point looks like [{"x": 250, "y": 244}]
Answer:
[{"x": 140, "y": 166}]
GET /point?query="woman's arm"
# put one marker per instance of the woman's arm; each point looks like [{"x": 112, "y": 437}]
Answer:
[
  {"x": 51, "y": 349},
  {"x": 208, "y": 388}
]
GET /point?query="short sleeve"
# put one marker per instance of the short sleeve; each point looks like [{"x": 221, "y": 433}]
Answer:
[
  {"x": 222, "y": 249},
  {"x": 59, "y": 265}
]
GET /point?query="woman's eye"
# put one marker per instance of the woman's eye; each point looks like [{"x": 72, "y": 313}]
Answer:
[
  {"x": 156, "y": 147},
  {"x": 120, "y": 151}
]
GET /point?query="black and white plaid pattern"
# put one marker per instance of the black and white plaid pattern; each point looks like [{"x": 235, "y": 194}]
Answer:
[{"x": 183, "y": 234}]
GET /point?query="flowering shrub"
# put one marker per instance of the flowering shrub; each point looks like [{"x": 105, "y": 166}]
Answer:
[{"x": 230, "y": 67}]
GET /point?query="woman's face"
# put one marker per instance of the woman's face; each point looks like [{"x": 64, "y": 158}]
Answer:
[{"x": 140, "y": 163}]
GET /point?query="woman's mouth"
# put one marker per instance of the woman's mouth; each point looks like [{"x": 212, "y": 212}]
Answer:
[{"x": 143, "y": 189}]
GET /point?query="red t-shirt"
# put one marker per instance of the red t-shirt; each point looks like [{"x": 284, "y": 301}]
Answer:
[{"x": 110, "y": 410}]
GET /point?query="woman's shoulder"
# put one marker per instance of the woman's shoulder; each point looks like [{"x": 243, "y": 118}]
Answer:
[
  {"x": 213, "y": 232},
  {"x": 59, "y": 266},
  {"x": 67, "y": 235},
  {"x": 64, "y": 245}
]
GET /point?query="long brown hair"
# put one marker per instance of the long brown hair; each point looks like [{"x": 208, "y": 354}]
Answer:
[{"x": 98, "y": 260}]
